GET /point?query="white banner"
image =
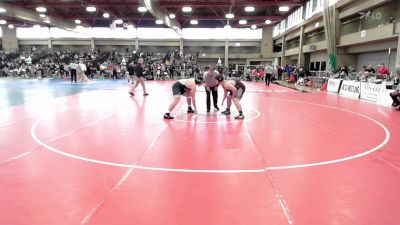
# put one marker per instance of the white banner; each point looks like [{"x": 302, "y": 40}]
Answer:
[
  {"x": 384, "y": 98},
  {"x": 371, "y": 91},
  {"x": 334, "y": 85},
  {"x": 350, "y": 89}
]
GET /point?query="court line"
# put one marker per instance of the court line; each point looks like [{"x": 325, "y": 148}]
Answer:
[
  {"x": 89, "y": 216},
  {"x": 297, "y": 166},
  {"x": 222, "y": 122},
  {"x": 91, "y": 213},
  {"x": 279, "y": 196},
  {"x": 53, "y": 140}
]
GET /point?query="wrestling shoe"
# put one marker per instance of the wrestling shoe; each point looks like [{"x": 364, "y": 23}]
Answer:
[
  {"x": 168, "y": 116},
  {"x": 226, "y": 112},
  {"x": 190, "y": 110}
]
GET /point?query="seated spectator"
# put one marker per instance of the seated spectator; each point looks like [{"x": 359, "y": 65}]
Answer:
[
  {"x": 383, "y": 71},
  {"x": 396, "y": 94}
]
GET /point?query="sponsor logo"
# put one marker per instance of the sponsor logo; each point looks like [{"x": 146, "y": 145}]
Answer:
[{"x": 350, "y": 88}]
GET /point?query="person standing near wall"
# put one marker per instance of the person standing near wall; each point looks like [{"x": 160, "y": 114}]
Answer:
[{"x": 211, "y": 85}]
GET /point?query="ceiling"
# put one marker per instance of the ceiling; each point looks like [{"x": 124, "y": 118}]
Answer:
[{"x": 209, "y": 13}]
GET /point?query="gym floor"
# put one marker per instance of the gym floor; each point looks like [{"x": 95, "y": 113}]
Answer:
[{"x": 91, "y": 154}]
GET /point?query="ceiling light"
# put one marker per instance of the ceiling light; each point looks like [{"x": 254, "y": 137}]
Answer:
[
  {"x": 227, "y": 27},
  {"x": 78, "y": 21},
  {"x": 204, "y": 54},
  {"x": 186, "y": 9},
  {"x": 3, "y": 22},
  {"x": 268, "y": 21},
  {"x": 253, "y": 26},
  {"x": 237, "y": 44},
  {"x": 172, "y": 16},
  {"x": 46, "y": 21},
  {"x": 249, "y": 9},
  {"x": 194, "y": 22},
  {"x": 242, "y": 22},
  {"x": 42, "y": 15},
  {"x": 284, "y": 8},
  {"x": 106, "y": 15},
  {"x": 119, "y": 22},
  {"x": 2, "y": 10},
  {"x": 159, "y": 22},
  {"x": 91, "y": 9},
  {"x": 36, "y": 26},
  {"x": 142, "y": 9},
  {"x": 41, "y": 9},
  {"x": 229, "y": 16},
  {"x": 10, "y": 26}
]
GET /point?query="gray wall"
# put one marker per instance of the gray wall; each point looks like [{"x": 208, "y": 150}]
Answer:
[
  {"x": 244, "y": 50},
  {"x": 376, "y": 58},
  {"x": 207, "y": 50}
]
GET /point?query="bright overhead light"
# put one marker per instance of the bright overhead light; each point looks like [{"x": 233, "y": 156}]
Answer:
[
  {"x": 242, "y": 22},
  {"x": 204, "y": 54},
  {"x": 42, "y": 15},
  {"x": 186, "y": 9},
  {"x": 142, "y": 9},
  {"x": 172, "y": 16},
  {"x": 119, "y": 21},
  {"x": 91, "y": 9},
  {"x": 194, "y": 22},
  {"x": 106, "y": 15},
  {"x": 11, "y": 26},
  {"x": 3, "y": 22},
  {"x": 41, "y": 9},
  {"x": 2, "y": 10},
  {"x": 249, "y": 9},
  {"x": 159, "y": 22},
  {"x": 284, "y": 8},
  {"x": 78, "y": 21},
  {"x": 229, "y": 16},
  {"x": 46, "y": 21},
  {"x": 268, "y": 21},
  {"x": 253, "y": 26},
  {"x": 237, "y": 44},
  {"x": 36, "y": 26}
]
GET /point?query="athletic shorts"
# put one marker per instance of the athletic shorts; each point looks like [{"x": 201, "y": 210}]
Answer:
[
  {"x": 179, "y": 89},
  {"x": 239, "y": 93}
]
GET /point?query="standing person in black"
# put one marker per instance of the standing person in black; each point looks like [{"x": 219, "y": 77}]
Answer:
[
  {"x": 73, "y": 67},
  {"x": 139, "y": 78},
  {"x": 211, "y": 85},
  {"x": 131, "y": 71}
]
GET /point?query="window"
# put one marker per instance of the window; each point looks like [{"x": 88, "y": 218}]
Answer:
[
  {"x": 312, "y": 66},
  {"x": 317, "y": 66},
  {"x": 323, "y": 66},
  {"x": 33, "y": 33}
]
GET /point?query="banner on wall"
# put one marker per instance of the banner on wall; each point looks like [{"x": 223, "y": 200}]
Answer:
[
  {"x": 351, "y": 89},
  {"x": 334, "y": 85},
  {"x": 371, "y": 91},
  {"x": 384, "y": 98}
]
